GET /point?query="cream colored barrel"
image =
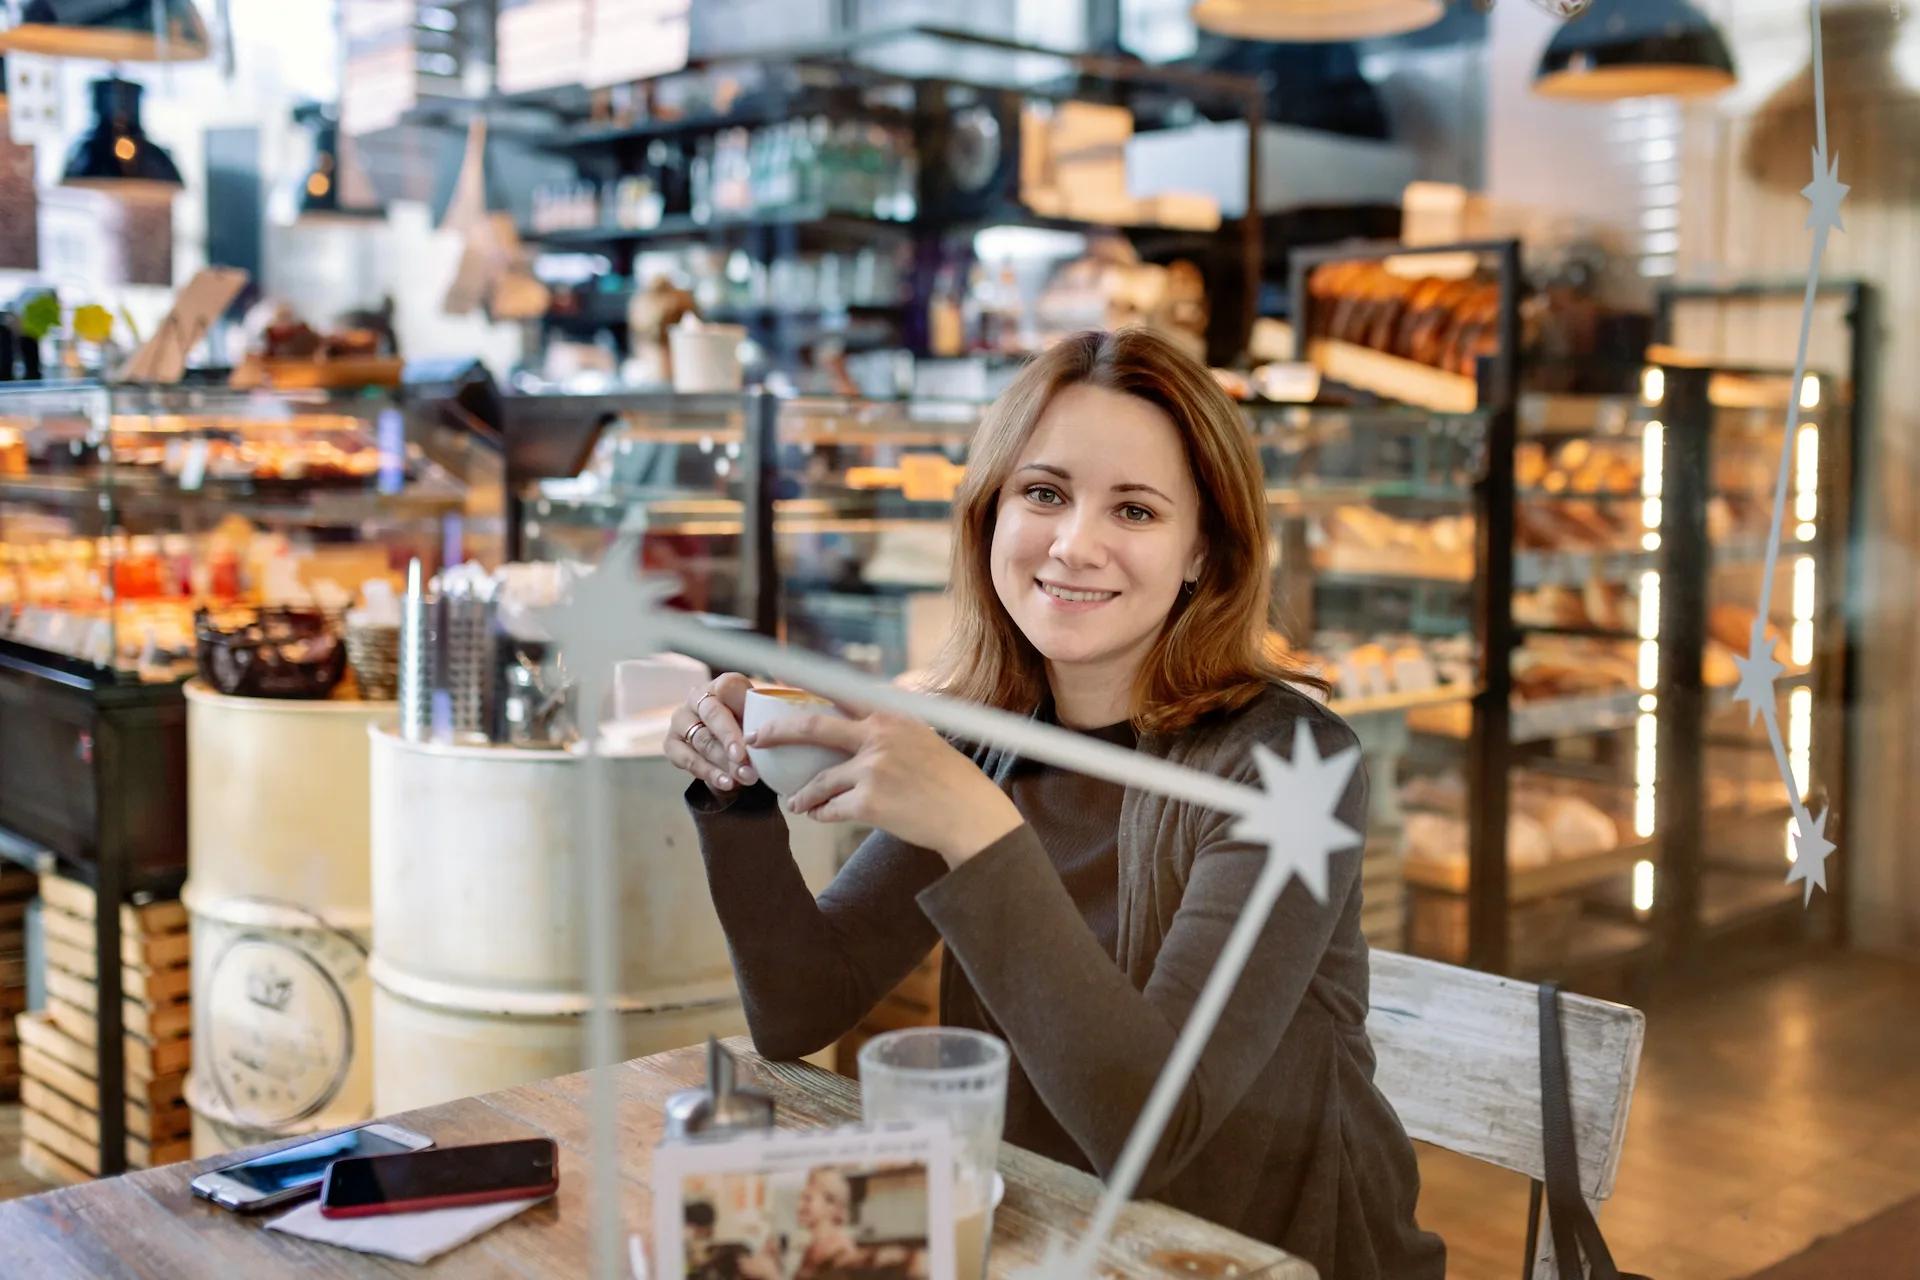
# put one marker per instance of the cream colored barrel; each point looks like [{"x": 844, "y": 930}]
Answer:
[
  {"x": 277, "y": 886},
  {"x": 479, "y": 960}
]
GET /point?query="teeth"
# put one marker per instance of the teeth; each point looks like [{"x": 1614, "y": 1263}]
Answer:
[{"x": 1076, "y": 597}]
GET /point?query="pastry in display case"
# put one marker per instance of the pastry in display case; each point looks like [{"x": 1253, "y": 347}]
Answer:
[{"x": 124, "y": 511}]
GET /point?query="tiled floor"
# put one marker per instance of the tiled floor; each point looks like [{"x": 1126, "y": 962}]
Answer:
[{"x": 1778, "y": 1101}]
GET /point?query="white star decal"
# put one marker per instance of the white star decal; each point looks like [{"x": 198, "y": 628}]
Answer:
[
  {"x": 603, "y": 621},
  {"x": 1758, "y": 672},
  {"x": 1825, "y": 192},
  {"x": 1294, "y": 817},
  {"x": 1810, "y": 850}
]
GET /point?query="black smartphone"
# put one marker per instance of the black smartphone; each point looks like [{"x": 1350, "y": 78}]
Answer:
[
  {"x": 441, "y": 1179},
  {"x": 297, "y": 1170}
]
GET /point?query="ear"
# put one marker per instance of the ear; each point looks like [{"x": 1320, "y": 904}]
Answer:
[{"x": 1197, "y": 562}]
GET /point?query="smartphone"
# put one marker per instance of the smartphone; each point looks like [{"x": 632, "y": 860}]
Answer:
[
  {"x": 441, "y": 1179},
  {"x": 296, "y": 1171}
]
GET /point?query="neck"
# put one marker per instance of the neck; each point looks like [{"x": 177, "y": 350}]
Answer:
[{"x": 1091, "y": 697}]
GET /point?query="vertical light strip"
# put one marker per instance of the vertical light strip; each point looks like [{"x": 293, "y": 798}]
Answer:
[
  {"x": 1646, "y": 729},
  {"x": 1800, "y": 737},
  {"x": 1803, "y": 600},
  {"x": 1643, "y": 885},
  {"x": 1806, "y": 475},
  {"x": 1645, "y": 765}
]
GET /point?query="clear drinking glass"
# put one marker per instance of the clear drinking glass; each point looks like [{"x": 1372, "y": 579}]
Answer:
[{"x": 960, "y": 1077}]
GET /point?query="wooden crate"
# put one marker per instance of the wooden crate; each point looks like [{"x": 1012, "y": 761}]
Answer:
[
  {"x": 58, "y": 1059},
  {"x": 17, "y": 886},
  {"x": 61, "y": 1097}
]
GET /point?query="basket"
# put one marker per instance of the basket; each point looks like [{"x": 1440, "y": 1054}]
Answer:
[
  {"x": 374, "y": 652},
  {"x": 277, "y": 653}
]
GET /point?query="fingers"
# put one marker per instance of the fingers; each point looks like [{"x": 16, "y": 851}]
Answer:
[
  {"x": 825, "y": 786},
  {"x": 819, "y": 731},
  {"x": 720, "y": 740},
  {"x": 685, "y": 758},
  {"x": 692, "y": 745},
  {"x": 730, "y": 689}
]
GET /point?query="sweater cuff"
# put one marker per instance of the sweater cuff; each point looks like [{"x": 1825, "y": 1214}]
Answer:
[
  {"x": 704, "y": 801},
  {"x": 972, "y": 899}
]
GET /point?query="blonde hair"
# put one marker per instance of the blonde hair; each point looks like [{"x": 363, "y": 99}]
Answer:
[{"x": 1218, "y": 650}]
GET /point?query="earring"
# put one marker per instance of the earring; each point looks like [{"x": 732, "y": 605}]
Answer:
[{"x": 1186, "y": 587}]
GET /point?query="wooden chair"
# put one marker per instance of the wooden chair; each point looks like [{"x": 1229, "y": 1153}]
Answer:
[{"x": 1459, "y": 1059}]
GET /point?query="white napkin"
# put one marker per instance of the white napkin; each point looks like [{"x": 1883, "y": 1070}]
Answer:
[{"x": 410, "y": 1237}]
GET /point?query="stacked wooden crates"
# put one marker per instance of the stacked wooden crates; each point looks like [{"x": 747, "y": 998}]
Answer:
[
  {"x": 58, "y": 1046},
  {"x": 16, "y": 887}
]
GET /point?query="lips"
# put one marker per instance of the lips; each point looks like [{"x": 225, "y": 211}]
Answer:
[{"x": 1072, "y": 596}]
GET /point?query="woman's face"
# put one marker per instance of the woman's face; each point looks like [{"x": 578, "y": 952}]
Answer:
[
  {"x": 1098, "y": 526},
  {"x": 824, "y": 1201}
]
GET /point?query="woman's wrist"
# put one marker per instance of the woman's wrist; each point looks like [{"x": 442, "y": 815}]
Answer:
[{"x": 980, "y": 832}]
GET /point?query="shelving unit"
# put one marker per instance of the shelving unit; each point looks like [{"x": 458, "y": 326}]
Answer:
[{"x": 865, "y": 78}]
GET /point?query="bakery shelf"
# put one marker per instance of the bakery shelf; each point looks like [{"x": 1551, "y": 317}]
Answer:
[
  {"x": 682, "y": 227},
  {"x": 1558, "y": 875},
  {"x": 1738, "y": 899},
  {"x": 1533, "y": 569},
  {"x": 1594, "y": 942},
  {"x": 1395, "y": 703},
  {"x": 1541, "y": 720},
  {"x": 1394, "y": 377},
  {"x": 1575, "y": 632}
]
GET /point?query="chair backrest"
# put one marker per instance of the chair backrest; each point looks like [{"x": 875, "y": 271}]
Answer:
[{"x": 1459, "y": 1059}]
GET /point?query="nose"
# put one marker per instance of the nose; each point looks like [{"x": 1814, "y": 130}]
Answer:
[{"x": 1079, "y": 542}]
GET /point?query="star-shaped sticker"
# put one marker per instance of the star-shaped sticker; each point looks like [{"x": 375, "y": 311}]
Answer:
[
  {"x": 604, "y": 621},
  {"x": 1295, "y": 816},
  {"x": 1810, "y": 850},
  {"x": 1758, "y": 672},
  {"x": 1826, "y": 191}
]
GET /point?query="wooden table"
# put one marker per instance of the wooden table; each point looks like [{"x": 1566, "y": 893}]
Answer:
[{"x": 150, "y": 1225}]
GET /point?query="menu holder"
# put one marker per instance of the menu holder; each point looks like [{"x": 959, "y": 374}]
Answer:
[{"x": 873, "y": 1202}]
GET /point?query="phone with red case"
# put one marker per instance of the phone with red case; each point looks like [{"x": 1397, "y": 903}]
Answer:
[{"x": 441, "y": 1179}]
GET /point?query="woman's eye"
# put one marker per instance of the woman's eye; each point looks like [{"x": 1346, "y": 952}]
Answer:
[
  {"x": 1046, "y": 495},
  {"x": 1136, "y": 514}
]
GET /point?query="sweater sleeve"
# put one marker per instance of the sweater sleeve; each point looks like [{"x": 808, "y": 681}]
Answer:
[
  {"x": 1092, "y": 1044},
  {"x": 809, "y": 970}
]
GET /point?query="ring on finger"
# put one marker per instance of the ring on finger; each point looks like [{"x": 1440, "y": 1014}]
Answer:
[
  {"x": 702, "y": 698},
  {"x": 692, "y": 729}
]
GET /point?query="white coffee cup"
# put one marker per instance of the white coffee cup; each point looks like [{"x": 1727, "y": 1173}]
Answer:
[{"x": 787, "y": 769}]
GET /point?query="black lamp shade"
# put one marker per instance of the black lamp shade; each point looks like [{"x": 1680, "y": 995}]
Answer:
[
  {"x": 115, "y": 154},
  {"x": 319, "y": 197},
  {"x": 1636, "y": 49},
  {"x": 109, "y": 30}
]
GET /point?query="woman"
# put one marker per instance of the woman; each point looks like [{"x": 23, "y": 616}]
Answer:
[
  {"x": 825, "y": 1213},
  {"x": 1110, "y": 576}
]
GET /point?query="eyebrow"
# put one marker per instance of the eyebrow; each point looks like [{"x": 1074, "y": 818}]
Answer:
[{"x": 1052, "y": 470}]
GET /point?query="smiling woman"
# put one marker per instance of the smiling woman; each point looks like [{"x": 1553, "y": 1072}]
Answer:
[
  {"x": 1111, "y": 577},
  {"x": 1114, "y": 510}
]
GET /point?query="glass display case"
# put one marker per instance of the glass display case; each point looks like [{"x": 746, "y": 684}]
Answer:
[{"x": 123, "y": 510}]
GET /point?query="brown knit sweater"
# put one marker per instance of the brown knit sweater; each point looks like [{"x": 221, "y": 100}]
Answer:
[{"x": 1280, "y": 1133}]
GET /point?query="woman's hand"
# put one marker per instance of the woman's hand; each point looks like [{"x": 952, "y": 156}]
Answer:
[
  {"x": 903, "y": 778},
  {"x": 704, "y": 739}
]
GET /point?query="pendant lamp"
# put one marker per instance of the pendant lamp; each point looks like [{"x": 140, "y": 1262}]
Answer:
[
  {"x": 1315, "y": 20},
  {"x": 110, "y": 30},
  {"x": 1636, "y": 49},
  {"x": 319, "y": 198},
  {"x": 115, "y": 154}
]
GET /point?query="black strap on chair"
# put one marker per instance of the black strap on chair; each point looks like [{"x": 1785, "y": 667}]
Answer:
[{"x": 1575, "y": 1233}]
